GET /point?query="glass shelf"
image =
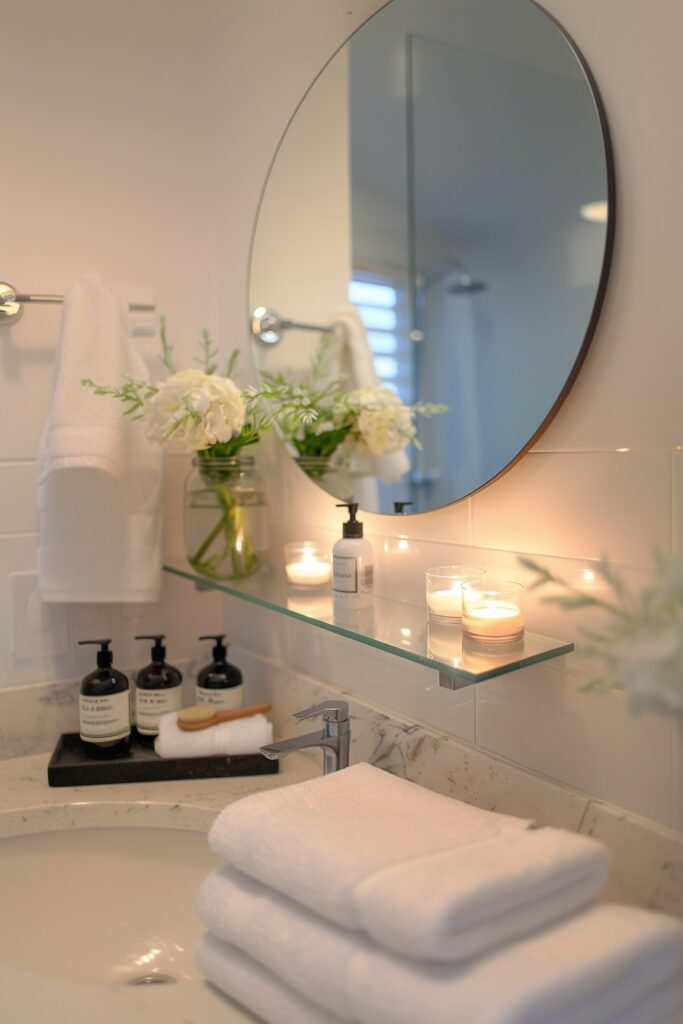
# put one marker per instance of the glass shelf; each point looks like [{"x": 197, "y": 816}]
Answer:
[{"x": 400, "y": 629}]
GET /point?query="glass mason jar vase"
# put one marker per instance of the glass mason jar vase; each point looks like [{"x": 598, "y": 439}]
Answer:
[
  {"x": 332, "y": 476},
  {"x": 226, "y": 518}
]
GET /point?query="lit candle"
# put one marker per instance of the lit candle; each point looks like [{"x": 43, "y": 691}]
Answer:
[
  {"x": 495, "y": 619},
  {"x": 307, "y": 566},
  {"x": 443, "y": 590},
  {"x": 492, "y": 610}
]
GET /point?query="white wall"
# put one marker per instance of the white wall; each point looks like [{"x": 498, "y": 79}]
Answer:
[
  {"x": 573, "y": 498},
  {"x": 577, "y": 495},
  {"x": 111, "y": 168}
]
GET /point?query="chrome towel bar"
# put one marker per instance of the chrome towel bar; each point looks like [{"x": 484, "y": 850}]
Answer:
[
  {"x": 268, "y": 326},
  {"x": 12, "y": 303}
]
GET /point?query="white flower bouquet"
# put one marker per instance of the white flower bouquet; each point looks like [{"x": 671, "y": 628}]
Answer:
[
  {"x": 200, "y": 411},
  {"x": 365, "y": 421},
  {"x": 641, "y": 644}
]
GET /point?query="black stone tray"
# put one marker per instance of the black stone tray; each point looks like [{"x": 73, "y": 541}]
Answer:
[{"x": 71, "y": 766}]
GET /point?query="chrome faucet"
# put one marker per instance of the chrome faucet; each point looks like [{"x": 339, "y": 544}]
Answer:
[{"x": 334, "y": 737}]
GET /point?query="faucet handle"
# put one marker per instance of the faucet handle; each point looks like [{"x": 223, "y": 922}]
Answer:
[{"x": 331, "y": 710}]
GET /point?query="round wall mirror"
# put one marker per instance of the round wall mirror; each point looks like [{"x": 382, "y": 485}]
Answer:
[{"x": 431, "y": 250}]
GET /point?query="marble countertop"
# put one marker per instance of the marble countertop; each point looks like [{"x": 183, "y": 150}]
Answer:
[{"x": 186, "y": 804}]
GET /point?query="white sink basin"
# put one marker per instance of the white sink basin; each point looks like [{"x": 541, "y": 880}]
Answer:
[
  {"x": 102, "y": 905},
  {"x": 98, "y": 889}
]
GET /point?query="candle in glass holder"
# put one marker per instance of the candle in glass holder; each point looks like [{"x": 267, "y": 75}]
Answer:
[
  {"x": 443, "y": 590},
  {"x": 492, "y": 610},
  {"x": 307, "y": 565}
]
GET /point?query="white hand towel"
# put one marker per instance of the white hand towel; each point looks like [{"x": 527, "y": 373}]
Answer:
[
  {"x": 243, "y": 736},
  {"x": 356, "y": 362},
  {"x": 460, "y": 903},
  {"x": 318, "y": 840},
  {"x": 99, "y": 479},
  {"x": 259, "y": 991},
  {"x": 594, "y": 967}
]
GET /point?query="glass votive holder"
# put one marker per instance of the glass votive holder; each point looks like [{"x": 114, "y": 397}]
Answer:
[
  {"x": 444, "y": 644},
  {"x": 443, "y": 590},
  {"x": 307, "y": 564},
  {"x": 493, "y": 611},
  {"x": 311, "y": 603}
]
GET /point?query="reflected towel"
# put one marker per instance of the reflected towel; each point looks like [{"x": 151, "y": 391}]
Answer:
[
  {"x": 243, "y": 736},
  {"x": 99, "y": 479},
  {"x": 317, "y": 841},
  {"x": 601, "y": 966},
  {"x": 259, "y": 991},
  {"x": 356, "y": 362}
]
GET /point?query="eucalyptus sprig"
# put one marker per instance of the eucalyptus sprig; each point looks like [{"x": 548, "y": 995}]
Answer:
[
  {"x": 641, "y": 642},
  {"x": 132, "y": 393}
]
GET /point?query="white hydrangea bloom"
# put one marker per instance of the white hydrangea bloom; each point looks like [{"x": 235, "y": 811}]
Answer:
[
  {"x": 384, "y": 423},
  {"x": 193, "y": 410}
]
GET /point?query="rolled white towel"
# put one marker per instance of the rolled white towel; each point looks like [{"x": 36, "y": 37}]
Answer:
[
  {"x": 601, "y": 966},
  {"x": 250, "y": 984},
  {"x": 243, "y": 736},
  {"x": 318, "y": 840}
]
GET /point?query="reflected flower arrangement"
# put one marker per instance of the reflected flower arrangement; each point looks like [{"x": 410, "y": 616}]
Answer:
[{"x": 342, "y": 424}]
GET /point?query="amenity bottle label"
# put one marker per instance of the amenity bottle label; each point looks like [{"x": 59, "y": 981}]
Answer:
[
  {"x": 104, "y": 719},
  {"x": 226, "y": 699},
  {"x": 150, "y": 705}
]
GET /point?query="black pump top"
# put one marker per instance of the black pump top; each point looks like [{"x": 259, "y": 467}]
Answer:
[
  {"x": 352, "y": 528},
  {"x": 220, "y": 650},
  {"x": 104, "y": 656},
  {"x": 399, "y": 506},
  {"x": 158, "y": 651}
]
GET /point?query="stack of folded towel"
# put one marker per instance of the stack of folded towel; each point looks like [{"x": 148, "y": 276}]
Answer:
[{"x": 362, "y": 897}]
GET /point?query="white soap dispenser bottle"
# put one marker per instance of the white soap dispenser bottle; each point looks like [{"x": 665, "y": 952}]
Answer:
[{"x": 353, "y": 566}]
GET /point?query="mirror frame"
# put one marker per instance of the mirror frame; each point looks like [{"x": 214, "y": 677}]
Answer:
[{"x": 610, "y": 232}]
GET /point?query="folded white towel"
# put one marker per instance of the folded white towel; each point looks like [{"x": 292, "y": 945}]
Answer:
[
  {"x": 245, "y": 981},
  {"x": 596, "y": 967},
  {"x": 319, "y": 840},
  {"x": 302, "y": 947},
  {"x": 99, "y": 479},
  {"x": 459, "y": 903},
  {"x": 243, "y": 736}
]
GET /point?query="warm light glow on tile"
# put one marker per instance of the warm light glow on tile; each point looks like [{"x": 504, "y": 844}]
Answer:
[
  {"x": 623, "y": 449},
  {"x": 406, "y": 635},
  {"x": 588, "y": 576},
  {"x": 403, "y": 544}
]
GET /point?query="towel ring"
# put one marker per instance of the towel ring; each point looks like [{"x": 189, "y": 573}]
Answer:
[
  {"x": 267, "y": 326},
  {"x": 12, "y": 303}
]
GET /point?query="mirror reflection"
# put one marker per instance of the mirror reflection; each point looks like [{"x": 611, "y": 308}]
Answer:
[{"x": 431, "y": 249}]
